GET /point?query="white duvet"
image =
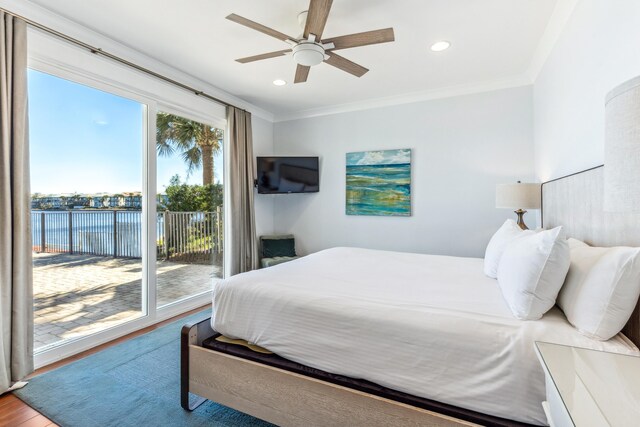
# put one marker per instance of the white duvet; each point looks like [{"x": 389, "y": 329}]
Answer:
[{"x": 431, "y": 326}]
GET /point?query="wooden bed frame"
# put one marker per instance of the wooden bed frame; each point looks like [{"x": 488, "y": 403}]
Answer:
[
  {"x": 285, "y": 398},
  {"x": 289, "y": 399}
]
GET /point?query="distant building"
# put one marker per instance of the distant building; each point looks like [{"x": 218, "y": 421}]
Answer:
[
  {"x": 47, "y": 202},
  {"x": 131, "y": 200}
]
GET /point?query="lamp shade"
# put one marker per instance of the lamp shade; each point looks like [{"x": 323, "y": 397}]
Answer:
[
  {"x": 518, "y": 196},
  {"x": 622, "y": 148}
]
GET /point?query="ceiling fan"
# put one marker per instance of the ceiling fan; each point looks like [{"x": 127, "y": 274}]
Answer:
[{"x": 310, "y": 48}]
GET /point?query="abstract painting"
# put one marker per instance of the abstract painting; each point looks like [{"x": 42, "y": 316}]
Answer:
[{"x": 379, "y": 183}]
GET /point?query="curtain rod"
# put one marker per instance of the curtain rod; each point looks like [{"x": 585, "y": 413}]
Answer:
[{"x": 99, "y": 51}]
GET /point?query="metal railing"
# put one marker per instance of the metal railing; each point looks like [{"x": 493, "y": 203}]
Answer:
[
  {"x": 190, "y": 236},
  {"x": 183, "y": 236}
]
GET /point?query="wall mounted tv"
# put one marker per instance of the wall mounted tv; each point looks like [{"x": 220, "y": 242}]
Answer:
[{"x": 284, "y": 175}]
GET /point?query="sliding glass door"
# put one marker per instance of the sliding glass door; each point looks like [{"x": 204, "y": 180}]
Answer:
[
  {"x": 87, "y": 224},
  {"x": 189, "y": 207},
  {"x": 127, "y": 188}
]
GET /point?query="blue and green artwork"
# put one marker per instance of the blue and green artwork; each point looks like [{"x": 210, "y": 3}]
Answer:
[{"x": 379, "y": 183}]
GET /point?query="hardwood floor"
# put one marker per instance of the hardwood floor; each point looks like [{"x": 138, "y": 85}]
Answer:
[{"x": 15, "y": 413}]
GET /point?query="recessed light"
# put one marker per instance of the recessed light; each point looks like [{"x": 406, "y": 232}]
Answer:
[
  {"x": 440, "y": 46},
  {"x": 279, "y": 82}
]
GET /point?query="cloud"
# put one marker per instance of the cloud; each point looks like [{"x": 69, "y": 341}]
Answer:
[
  {"x": 99, "y": 118},
  {"x": 372, "y": 158},
  {"x": 399, "y": 156},
  {"x": 384, "y": 157}
]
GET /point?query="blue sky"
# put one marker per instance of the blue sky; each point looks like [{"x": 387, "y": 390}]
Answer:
[{"x": 87, "y": 141}]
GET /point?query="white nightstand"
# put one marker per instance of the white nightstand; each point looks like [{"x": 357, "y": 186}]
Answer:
[{"x": 590, "y": 388}]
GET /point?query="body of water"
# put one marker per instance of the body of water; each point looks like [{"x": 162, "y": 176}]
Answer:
[
  {"x": 91, "y": 231},
  {"x": 119, "y": 233},
  {"x": 379, "y": 190}
]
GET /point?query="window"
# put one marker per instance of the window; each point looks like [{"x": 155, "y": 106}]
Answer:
[
  {"x": 87, "y": 225},
  {"x": 93, "y": 129},
  {"x": 189, "y": 209}
]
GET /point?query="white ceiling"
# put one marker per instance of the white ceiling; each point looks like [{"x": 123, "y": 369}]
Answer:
[{"x": 492, "y": 40}]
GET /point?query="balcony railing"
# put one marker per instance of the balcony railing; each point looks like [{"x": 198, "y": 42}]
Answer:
[{"x": 181, "y": 236}]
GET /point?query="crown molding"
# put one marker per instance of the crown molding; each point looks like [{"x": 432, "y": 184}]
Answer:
[
  {"x": 557, "y": 22},
  {"x": 556, "y": 25},
  {"x": 408, "y": 98},
  {"x": 71, "y": 28}
]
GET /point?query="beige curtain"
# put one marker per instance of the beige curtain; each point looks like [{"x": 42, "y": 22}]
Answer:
[
  {"x": 244, "y": 245},
  {"x": 16, "y": 287}
]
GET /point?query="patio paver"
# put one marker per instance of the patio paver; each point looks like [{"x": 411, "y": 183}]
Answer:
[{"x": 77, "y": 295}]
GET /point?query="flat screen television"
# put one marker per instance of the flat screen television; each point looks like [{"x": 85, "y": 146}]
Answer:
[{"x": 284, "y": 175}]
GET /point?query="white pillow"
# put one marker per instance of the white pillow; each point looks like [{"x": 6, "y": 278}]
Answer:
[
  {"x": 601, "y": 290},
  {"x": 505, "y": 234},
  {"x": 575, "y": 243},
  {"x": 531, "y": 272}
]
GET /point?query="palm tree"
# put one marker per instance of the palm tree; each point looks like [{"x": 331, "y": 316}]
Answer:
[{"x": 196, "y": 142}]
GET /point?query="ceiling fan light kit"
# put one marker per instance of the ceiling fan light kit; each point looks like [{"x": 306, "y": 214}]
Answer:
[
  {"x": 308, "y": 54},
  {"x": 310, "y": 49}
]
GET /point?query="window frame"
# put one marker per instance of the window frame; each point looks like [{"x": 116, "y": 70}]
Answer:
[
  {"x": 219, "y": 124},
  {"x": 60, "y": 59}
]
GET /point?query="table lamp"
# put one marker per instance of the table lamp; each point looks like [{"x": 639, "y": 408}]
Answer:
[
  {"x": 622, "y": 148},
  {"x": 518, "y": 196}
]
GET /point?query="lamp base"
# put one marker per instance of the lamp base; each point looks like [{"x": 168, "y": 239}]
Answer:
[{"x": 520, "y": 221}]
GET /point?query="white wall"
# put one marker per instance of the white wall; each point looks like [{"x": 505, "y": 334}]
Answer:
[
  {"x": 263, "y": 146},
  {"x": 597, "y": 50},
  {"x": 461, "y": 148}
]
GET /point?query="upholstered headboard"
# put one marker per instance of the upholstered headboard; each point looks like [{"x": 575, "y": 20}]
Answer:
[{"x": 576, "y": 203}]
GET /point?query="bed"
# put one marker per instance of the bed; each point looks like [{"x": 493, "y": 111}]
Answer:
[{"x": 431, "y": 328}]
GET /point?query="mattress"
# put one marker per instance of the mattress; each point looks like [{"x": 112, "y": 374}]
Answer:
[
  {"x": 432, "y": 326},
  {"x": 233, "y": 348}
]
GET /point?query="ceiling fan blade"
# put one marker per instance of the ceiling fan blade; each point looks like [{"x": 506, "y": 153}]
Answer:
[
  {"x": 361, "y": 39},
  {"x": 302, "y": 72},
  {"x": 263, "y": 56},
  {"x": 259, "y": 27},
  {"x": 317, "y": 18},
  {"x": 345, "y": 65}
]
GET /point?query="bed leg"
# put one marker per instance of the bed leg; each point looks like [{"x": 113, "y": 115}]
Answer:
[
  {"x": 189, "y": 336},
  {"x": 192, "y": 404}
]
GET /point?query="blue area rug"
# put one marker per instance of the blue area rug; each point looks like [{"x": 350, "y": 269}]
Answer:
[{"x": 135, "y": 383}]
